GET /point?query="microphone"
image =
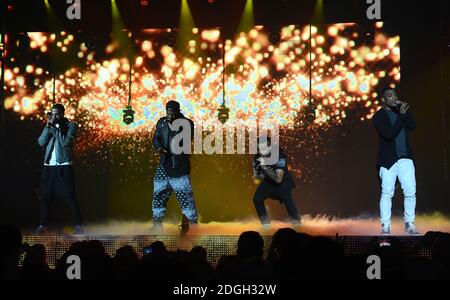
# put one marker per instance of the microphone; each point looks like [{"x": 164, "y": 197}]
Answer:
[
  {"x": 397, "y": 105},
  {"x": 257, "y": 165},
  {"x": 49, "y": 116}
]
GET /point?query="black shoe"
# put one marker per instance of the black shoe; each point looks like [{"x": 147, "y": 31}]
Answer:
[
  {"x": 410, "y": 228},
  {"x": 385, "y": 229},
  {"x": 184, "y": 227}
]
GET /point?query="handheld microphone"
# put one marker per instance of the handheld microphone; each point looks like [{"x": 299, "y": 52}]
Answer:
[{"x": 257, "y": 165}]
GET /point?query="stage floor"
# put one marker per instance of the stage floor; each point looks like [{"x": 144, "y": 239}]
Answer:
[
  {"x": 321, "y": 225},
  {"x": 221, "y": 238}
]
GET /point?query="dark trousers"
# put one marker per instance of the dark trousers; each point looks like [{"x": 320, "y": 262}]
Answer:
[
  {"x": 58, "y": 182},
  {"x": 281, "y": 193}
]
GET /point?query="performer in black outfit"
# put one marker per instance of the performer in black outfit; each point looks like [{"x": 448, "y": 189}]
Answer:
[{"x": 277, "y": 183}]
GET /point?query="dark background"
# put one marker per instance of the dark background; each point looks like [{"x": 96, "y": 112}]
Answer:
[{"x": 346, "y": 184}]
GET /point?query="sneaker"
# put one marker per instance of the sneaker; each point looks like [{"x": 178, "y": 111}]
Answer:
[
  {"x": 296, "y": 223},
  {"x": 385, "y": 229},
  {"x": 265, "y": 226},
  {"x": 156, "y": 229},
  {"x": 78, "y": 230},
  {"x": 40, "y": 230},
  {"x": 410, "y": 228}
]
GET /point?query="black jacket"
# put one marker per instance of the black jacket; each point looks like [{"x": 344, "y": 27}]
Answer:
[
  {"x": 176, "y": 165},
  {"x": 387, "y": 153}
]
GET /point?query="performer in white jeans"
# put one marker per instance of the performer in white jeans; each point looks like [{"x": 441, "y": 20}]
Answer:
[
  {"x": 404, "y": 170},
  {"x": 393, "y": 123}
]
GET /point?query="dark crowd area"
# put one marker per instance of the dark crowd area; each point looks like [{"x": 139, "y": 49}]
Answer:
[{"x": 291, "y": 256}]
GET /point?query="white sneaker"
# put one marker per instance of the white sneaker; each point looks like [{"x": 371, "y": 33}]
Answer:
[
  {"x": 266, "y": 226},
  {"x": 385, "y": 229},
  {"x": 410, "y": 228},
  {"x": 78, "y": 230},
  {"x": 157, "y": 229},
  {"x": 41, "y": 230}
]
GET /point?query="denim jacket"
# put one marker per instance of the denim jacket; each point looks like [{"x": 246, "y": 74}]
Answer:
[{"x": 64, "y": 135}]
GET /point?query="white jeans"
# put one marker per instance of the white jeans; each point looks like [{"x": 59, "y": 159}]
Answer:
[{"x": 405, "y": 171}]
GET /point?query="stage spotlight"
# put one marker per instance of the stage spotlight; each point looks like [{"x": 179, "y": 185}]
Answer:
[
  {"x": 185, "y": 28},
  {"x": 211, "y": 1},
  {"x": 274, "y": 38},
  {"x": 310, "y": 115},
  {"x": 128, "y": 115},
  {"x": 369, "y": 36},
  {"x": 144, "y": 2},
  {"x": 23, "y": 42},
  {"x": 318, "y": 13},
  {"x": 368, "y": 33},
  {"x": 171, "y": 38},
  {"x": 90, "y": 44},
  {"x": 248, "y": 18},
  {"x": 223, "y": 114}
]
